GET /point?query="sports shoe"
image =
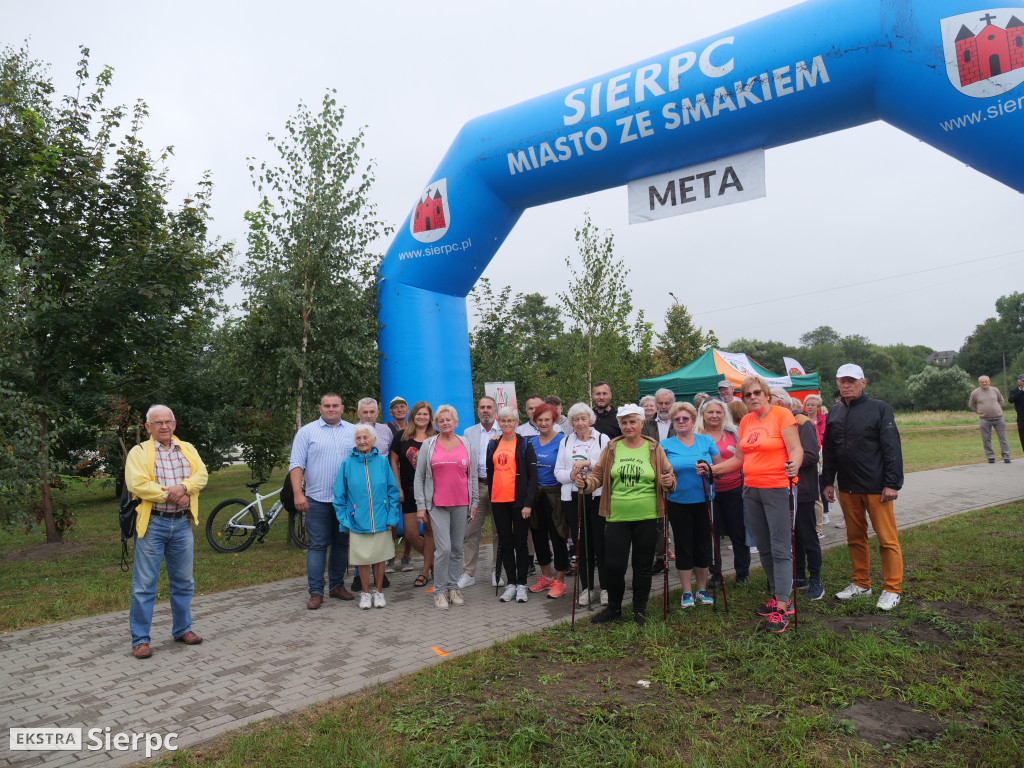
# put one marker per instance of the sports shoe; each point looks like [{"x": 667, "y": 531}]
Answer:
[
  {"x": 687, "y": 600},
  {"x": 741, "y": 581},
  {"x": 584, "y": 597},
  {"x": 786, "y": 608},
  {"x": 1006, "y": 461},
  {"x": 455, "y": 597},
  {"x": 853, "y": 591},
  {"x": 604, "y": 597},
  {"x": 821, "y": 534},
  {"x": 608, "y": 614},
  {"x": 888, "y": 600},
  {"x": 658, "y": 567},
  {"x": 521, "y": 593},
  {"x": 531, "y": 568},
  {"x": 777, "y": 622},
  {"x": 407, "y": 565},
  {"x": 640, "y": 617},
  {"x": 389, "y": 567},
  {"x": 378, "y": 600},
  {"x": 440, "y": 601},
  {"x": 704, "y": 597},
  {"x": 557, "y": 590},
  {"x": 365, "y": 600},
  {"x": 715, "y": 580},
  {"x": 541, "y": 584},
  {"x": 824, "y": 518},
  {"x": 753, "y": 550},
  {"x": 768, "y": 608},
  {"x": 991, "y": 461},
  {"x": 465, "y": 580},
  {"x": 509, "y": 594},
  {"x": 497, "y": 581},
  {"x": 815, "y": 591},
  {"x": 799, "y": 583}
]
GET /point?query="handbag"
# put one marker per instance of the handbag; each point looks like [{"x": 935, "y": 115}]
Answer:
[{"x": 127, "y": 514}]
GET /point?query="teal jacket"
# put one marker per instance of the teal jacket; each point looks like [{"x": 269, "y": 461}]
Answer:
[{"x": 366, "y": 493}]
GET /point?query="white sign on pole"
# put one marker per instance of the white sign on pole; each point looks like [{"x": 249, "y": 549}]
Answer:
[
  {"x": 503, "y": 392},
  {"x": 713, "y": 184}
]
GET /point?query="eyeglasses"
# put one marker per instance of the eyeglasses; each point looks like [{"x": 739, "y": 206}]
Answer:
[
  {"x": 162, "y": 423},
  {"x": 753, "y": 393},
  {"x": 682, "y": 418}
]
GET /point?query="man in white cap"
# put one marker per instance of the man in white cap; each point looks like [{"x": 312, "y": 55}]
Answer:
[
  {"x": 725, "y": 391},
  {"x": 987, "y": 402},
  {"x": 862, "y": 447}
]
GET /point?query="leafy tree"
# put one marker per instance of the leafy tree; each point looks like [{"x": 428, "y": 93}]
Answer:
[
  {"x": 310, "y": 310},
  {"x": 940, "y": 389},
  {"x": 602, "y": 342},
  {"x": 983, "y": 351},
  {"x": 681, "y": 343},
  {"x": 102, "y": 283}
]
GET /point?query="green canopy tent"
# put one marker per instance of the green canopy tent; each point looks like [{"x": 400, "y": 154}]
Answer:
[{"x": 704, "y": 373}]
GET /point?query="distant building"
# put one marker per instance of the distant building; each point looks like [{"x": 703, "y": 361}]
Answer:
[{"x": 945, "y": 357}]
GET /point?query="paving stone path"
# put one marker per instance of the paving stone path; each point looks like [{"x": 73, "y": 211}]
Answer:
[{"x": 264, "y": 654}]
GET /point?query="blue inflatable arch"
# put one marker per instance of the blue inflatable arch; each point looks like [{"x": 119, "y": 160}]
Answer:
[{"x": 948, "y": 72}]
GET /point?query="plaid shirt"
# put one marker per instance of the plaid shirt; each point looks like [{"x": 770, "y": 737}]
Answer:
[{"x": 171, "y": 468}]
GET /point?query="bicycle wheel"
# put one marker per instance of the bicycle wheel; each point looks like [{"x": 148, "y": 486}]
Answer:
[
  {"x": 297, "y": 529},
  {"x": 224, "y": 526}
]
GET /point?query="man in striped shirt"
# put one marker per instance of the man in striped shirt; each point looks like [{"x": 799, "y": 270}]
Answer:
[{"x": 317, "y": 452}]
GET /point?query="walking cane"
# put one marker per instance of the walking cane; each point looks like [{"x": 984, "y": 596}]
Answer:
[
  {"x": 579, "y": 548},
  {"x": 716, "y": 551},
  {"x": 792, "y": 543},
  {"x": 664, "y": 591}
]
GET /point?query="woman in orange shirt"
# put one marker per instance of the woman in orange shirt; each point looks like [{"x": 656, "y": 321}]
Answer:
[{"x": 769, "y": 455}]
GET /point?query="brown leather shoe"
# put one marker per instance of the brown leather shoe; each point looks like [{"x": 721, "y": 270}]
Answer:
[
  {"x": 141, "y": 651},
  {"x": 315, "y": 601},
  {"x": 189, "y": 638},
  {"x": 341, "y": 593}
]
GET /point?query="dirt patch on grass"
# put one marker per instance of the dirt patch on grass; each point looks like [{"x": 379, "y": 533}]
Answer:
[
  {"x": 48, "y": 551},
  {"x": 915, "y": 633},
  {"x": 961, "y": 613},
  {"x": 890, "y": 722}
]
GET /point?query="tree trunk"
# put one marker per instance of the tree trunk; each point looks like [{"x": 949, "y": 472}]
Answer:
[{"x": 53, "y": 535}]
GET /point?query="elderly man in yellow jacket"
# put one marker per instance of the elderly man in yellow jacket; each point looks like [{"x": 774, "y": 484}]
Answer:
[{"x": 166, "y": 475}]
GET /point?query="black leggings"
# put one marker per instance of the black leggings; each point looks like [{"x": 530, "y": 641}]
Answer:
[
  {"x": 619, "y": 537},
  {"x": 807, "y": 544},
  {"x": 692, "y": 529},
  {"x": 590, "y": 547},
  {"x": 512, "y": 532},
  {"x": 544, "y": 518},
  {"x": 728, "y": 507}
]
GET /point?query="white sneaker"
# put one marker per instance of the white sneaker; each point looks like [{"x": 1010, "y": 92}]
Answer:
[
  {"x": 455, "y": 597},
  {"x": 365, "y": 601},
  {"x": 753, "y": 550},
  {"x": 888, "y": 600},
  {"x": 824, "y": 518},
  {"x": 521, "y": 593},
  {"x": 853, "y": 591},
  {"x": 465, "y": 580},
  {"x": 509, "y": 594},
  {"x": 584, "y": 598},
  {"x": 604, "y": 597},
  {"x": 497, "y": 582},
  {"x": 378, "y": 600},
  {"x": 440, "y": 601}
]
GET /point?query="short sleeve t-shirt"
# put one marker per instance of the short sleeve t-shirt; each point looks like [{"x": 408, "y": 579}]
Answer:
[
  {"x": 503, "y": 483},
  {"x": 683, "y": 458},
  {"x": 634, "y": 493},
  {"x": 408, "y": 452},
  {"x": 729, "y": 448},
  {"x": 450, "y": 472},
  {"x": 547, "y": 456},
  {"x": 764, "y": 450}
]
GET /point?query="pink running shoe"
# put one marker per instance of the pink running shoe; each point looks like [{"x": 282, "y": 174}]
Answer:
[
  {"x": 557, "y": 590},
  {"x": 541, "y": 584}
]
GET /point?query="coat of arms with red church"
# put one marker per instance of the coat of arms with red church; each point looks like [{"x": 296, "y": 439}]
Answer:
[
  {"x": 431, "y": 216},
  {"x": 984, "y": 51}
]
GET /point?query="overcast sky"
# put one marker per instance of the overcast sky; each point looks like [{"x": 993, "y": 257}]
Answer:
[{"x": 866, "y": 204}]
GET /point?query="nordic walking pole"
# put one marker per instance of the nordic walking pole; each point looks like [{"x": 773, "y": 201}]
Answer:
[
  {"x": 664, "y": 592},
  {"x": 579, "y": 563},
  {"x": 716, "y": 551},
  {"x": 792, "y": 543}
]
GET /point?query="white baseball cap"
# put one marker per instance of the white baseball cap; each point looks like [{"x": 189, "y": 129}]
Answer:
[
  {"x": 629, "y": 410},
  {"x": 851, "y": 370}
]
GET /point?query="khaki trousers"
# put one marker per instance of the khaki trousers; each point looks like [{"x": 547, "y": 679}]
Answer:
[{"x": 857, "y": 507}]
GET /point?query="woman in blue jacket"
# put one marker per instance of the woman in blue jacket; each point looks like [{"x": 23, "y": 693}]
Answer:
[{"x": 366, "y": 503}]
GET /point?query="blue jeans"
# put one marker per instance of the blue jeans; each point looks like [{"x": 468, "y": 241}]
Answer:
[
  {"x": 169, "y": 540},
  {"x": 323, "y": 531}
]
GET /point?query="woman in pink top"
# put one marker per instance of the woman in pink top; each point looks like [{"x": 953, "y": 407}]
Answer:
[{"x": 446, "y": 489}]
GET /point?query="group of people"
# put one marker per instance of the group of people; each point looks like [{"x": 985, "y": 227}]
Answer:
[{"x": 600, "y": 482}]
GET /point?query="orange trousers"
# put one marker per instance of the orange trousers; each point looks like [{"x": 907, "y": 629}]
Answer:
[{"x": 857, "y": 507}]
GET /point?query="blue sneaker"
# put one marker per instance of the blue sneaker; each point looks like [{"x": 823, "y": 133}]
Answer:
[
  {"x": 705, "y": 597},
  {"x": 687, "y": 600},
  {"x": 816, "y": 590}
]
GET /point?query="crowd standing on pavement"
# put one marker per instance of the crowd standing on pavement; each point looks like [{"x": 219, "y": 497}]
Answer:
[{"x": 583, "y": 495}]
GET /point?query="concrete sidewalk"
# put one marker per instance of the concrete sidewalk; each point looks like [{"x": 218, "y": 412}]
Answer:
[{"x": 264, "y": 654}]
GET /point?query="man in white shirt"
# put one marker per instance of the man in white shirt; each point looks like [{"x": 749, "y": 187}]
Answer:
[
  {"x": 660, "y": 425},
  {"x": 479, "y": 435}
]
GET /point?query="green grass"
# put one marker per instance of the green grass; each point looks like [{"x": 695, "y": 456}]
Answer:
[
  {"x": 722, "y": 691},
  {"x": 933, "y": 439}
]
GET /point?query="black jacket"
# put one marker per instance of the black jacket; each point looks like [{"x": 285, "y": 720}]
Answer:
[
  {"x": 1017, "y": 398},
  {"x": 807, "y": 473},
  {"x": 862, "y": 447},
  {"x": 526, "y": 470},
  {"x": 650, "y": 429},
  {"x": 608, "y": 423}
]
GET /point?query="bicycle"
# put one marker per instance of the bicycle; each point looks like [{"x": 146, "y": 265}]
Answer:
[{"x": 234, "y": 524}]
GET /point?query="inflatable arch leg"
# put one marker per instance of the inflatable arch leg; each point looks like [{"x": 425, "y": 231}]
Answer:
[{"x": 948, "y": 72}]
